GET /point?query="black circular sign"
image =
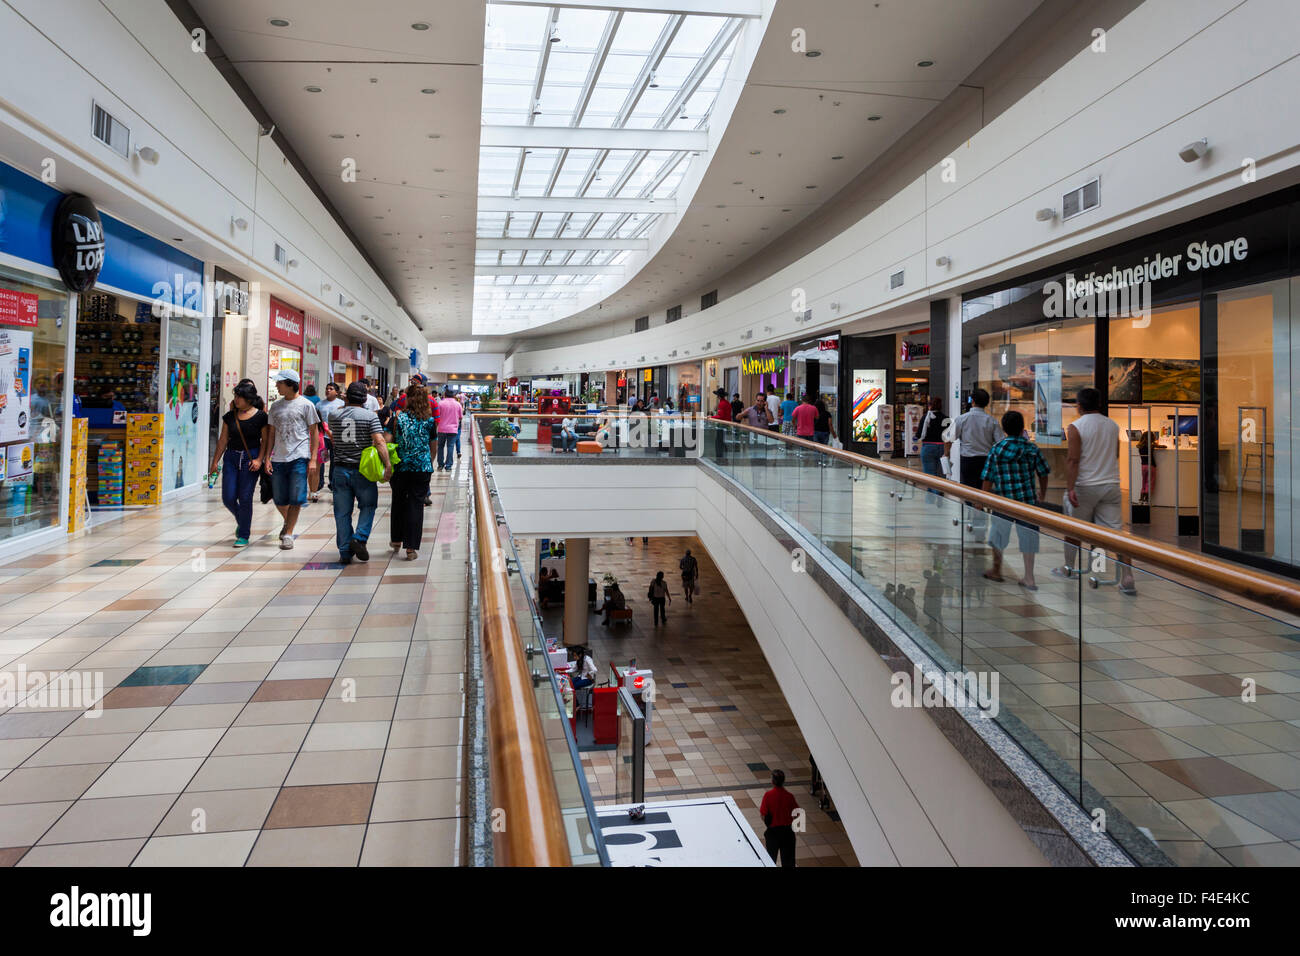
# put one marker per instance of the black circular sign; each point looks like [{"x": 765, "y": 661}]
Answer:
[{"x": 78, "y": 237}]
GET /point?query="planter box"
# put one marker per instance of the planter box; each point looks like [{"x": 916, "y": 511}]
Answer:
[{"x": 501, "y": 449}]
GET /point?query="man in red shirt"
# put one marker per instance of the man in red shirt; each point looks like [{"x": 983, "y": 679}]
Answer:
[
  {"x": 805, "y": 417},
  {"x": 724, "y": 413},
  {"x": 777, "y": 811}
]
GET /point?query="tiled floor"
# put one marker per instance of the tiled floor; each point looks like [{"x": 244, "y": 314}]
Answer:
[
  {"x": 1167, "y": 738},
  {"x": 721, "y": 723},
  {"x": 261, "y": 707}
]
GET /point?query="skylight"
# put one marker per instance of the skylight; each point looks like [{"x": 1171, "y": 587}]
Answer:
[{"x": 560, "y": 212}]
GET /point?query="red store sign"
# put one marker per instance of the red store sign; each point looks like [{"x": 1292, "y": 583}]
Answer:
[
  {"x": 18, "y": 308},
  {"x": 286, "y": 325},
  {"x": 348, "y": 356}
]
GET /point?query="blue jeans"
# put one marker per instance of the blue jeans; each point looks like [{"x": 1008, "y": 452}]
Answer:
[
  {"x": 238, "y": 485},
  {"x": 931, "y": 455},
  {"x": 446, "y": 445},
  {"x": 458, "y": 443},
  {"x": 350, "y": 485},
  {"x": 289, "y": 482},
  {"x": 568, "y": 440}
]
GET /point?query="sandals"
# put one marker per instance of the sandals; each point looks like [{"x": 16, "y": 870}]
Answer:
[
  {"x": 394, "y": 546},
  {"x": 994, "y": 577},
  {"x": 411, "y": 555}
]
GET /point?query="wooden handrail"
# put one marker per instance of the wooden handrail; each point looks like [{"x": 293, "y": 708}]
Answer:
[
  {"x": 522, "y": 783},
  {"x": 1269, "y": 590}
]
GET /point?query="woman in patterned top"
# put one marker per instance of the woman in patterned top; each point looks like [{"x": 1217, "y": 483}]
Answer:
[{"x": 416, "y": 432}]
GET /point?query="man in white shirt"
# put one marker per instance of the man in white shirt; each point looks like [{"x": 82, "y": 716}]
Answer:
[
  {"x": 774, "y": 408},
  {"x": 977, "y": 432},
  {"x": 1092, "y": 479},
  {"x": 372, "y": 402},
  {"x": 292, "y": 432}
]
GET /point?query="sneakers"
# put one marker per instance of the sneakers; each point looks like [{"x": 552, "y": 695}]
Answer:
[
  {"x": 428, "y": 500},
  {"x": 241, "y": 542},
  {"x": 359, "y": 550},
  {"x": 345, "y": 559},
  {"x": 286, "y": 542}
]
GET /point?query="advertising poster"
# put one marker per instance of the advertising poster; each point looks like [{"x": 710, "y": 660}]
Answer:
[
  {"x": 180, "y": 425},
  {"x": 15, "y": 385},
  {"x": 868, "y": 392},
  {"x": 1047, "y": 402},
  {"x": 18, "y": 459}
]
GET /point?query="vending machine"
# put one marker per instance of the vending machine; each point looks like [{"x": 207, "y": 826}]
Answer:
[
  {"x": 912, "y": 415},
  {"x": 885, "y": 430}
]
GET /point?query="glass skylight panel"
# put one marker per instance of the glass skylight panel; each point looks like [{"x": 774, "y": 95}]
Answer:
[{"x": 638, "y": 32}]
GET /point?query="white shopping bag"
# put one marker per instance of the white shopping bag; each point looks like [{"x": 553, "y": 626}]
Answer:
[{"x": 945, "y": 465}]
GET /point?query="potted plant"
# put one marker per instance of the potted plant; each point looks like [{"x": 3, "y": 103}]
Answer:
[{"x": 500, "y": 428}]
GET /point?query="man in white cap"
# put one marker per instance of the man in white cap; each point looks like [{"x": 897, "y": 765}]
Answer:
[{"x": 293, "y": 433}]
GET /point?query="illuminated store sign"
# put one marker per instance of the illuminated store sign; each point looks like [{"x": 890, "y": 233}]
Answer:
[{"x": 761, "y": 363}]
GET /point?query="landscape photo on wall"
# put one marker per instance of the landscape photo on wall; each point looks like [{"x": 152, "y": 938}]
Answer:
[{"x": 1171, "y": 380}]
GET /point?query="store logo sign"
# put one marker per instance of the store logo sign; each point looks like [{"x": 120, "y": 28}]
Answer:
[
  {"x": 286, "y": 324},
  {"x": 828, "y": 345},
  {"x": 759, "y": 364},
  {"x": 914, "y": 351},
  {"x": 78, "y": 242}
]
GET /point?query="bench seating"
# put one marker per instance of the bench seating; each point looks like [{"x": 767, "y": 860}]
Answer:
[
  {"x": 590, "y": 448},
  {"x": 620, "y": 617}
]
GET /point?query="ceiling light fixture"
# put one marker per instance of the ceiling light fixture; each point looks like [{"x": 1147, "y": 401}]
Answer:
[
  {"x": 239, "y": 223},
  {"x": 654, "y": 83},
  {"x": 1045, "y": 214},
  {"x": 1194, "y": 151},
  {"x": 779, "y": 112},
  {"x": 278, "y": 22},
  {"x": 421, "y": 26},
  {"x": 837, "y": 157},
  {"x": 924, "y": 63},
  {"x": 873, "y": 118},
  {"x": 555, "y": 34},
  {"x": 147, "y": 154},
  {"x": 943, "y": 261},
  {"x": 312, "y": 89},
  {"x": 813, "y": 54},
  {"x": 336, "y": 135},
  {"x": 429, "y": 90}
]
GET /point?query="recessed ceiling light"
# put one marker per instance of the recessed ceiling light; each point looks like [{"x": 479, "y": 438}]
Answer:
[
  {"x": 778, "y": 112},
  {"x": 924, "y": 63},
  {"x": 813, "y": 54},
  {"x": 810, "y": 187},
  {"x": 428, "y": 90},
  {"x": 336, "y": 135},
  {"x": 785, "y": 210},
  {"x": 872, "y": 118},
  {"x": 837, "y": 157},
  {"x": 435, "y": 136},
  {"x": 312, "y": 89},
  {"x": 367, "y": 197},
  {"x": 755, "y": 152},
  {"x": 278, "y": 22},
  {"x": 420, "y": 26}
]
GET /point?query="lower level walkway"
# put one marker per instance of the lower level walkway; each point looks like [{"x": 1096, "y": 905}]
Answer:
[
  {"x": 261, "y": 707},
  {"x": 721, "y": 723}
]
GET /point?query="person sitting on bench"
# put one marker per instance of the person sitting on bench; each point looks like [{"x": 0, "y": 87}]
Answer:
[{"x": 615, "y": 601}]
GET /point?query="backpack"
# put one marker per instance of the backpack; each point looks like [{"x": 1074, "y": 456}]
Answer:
[{"x": 650, "y": 593}]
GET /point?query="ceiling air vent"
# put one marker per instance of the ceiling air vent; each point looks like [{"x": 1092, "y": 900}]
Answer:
[
  {"x": 281, "y": 256},
  {"x": 110, "y": 131},
  {"x": 1087, "y": 196},
  {"x": 896, "y": 280}
]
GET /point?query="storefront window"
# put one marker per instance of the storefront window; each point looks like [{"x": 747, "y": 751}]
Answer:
[
  {"x": 180, "y": 424},
  {"x": 1251, "y": 480},
  {"x": 118, "y": 341},
  {"x": 33, "y": 347}
]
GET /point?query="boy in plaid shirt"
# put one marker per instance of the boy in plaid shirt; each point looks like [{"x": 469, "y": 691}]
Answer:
[{"x": 1010, "y": 470}]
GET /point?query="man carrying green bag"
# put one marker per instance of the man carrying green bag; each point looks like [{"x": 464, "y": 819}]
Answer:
[{"x": 356, "y": 432}]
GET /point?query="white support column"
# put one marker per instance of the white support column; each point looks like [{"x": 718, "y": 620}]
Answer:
[{"x": 577, "y": 567}]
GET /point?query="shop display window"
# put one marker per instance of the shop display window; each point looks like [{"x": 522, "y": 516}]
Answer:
[{"x": 33, "y": 350}]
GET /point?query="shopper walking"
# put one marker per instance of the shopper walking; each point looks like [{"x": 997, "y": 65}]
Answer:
[
  {"x": 292, "y": 430},
  {"x": 930, "y": 434},
  {"x": 773, "y": 410},
  {"x": 824, "y": 426},
  {"x": 415, "y": 433},
  {"x": 333, "y": 400},
  {"x": 803, "y": 420},
  {"x": 787, "y": 413},
  {"x": 1010, "y": 470},
  {"x": 777, "y": 810},
  {"x": 977, "y": 432},
  {"x": 659, "y": 596},
  {"x": 449, "y": 412},
  {"x": 690, "y": 575},
  {"x": 240, "y": 458},
  {"x": 1092, "y": 480},
  {"x": 355, "y": 427}
]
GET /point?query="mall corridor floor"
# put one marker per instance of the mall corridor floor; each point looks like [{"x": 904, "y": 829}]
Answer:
[
  {"x": 721, "y": 722},
  {"x": 262, "y": 707}
]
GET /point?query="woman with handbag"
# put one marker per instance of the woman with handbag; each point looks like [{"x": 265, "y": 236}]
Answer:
[
  {"x": 414, "y": 430},
  {"x": 241, "y": 457}
]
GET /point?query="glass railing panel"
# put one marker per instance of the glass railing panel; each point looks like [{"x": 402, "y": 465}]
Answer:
[
  {"x": 928, "y": 575},
  {"x": 873, "y": 535},
  {"x": 837, "y": 510},
  {"x": 1020, "y": 638},
  {"x": 1189, "y": 721},
  {"x": 810, "y": 473}
]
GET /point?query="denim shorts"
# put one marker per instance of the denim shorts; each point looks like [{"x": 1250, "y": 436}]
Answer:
[{"x": 289, "y": 482}]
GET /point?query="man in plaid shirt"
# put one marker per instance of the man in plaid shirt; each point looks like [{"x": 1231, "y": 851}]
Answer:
[{"x": 1010, "y": 470}]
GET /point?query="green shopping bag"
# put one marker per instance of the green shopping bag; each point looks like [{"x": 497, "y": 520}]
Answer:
[{"x": 372, "y": 467}]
